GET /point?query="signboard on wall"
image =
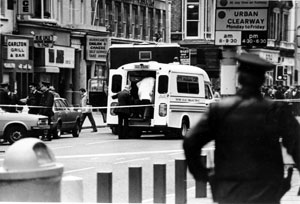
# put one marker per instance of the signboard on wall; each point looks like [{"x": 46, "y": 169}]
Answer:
[
  {"x": 96, "y": 48},
  {"x": 241, "y": 22},
  {"x": 17, "y": 49},
  {"x": 58, "y": 56},
  {"x": 25, "y": 7}
]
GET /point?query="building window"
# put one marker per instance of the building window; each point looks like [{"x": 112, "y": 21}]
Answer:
[
  {"x": 43, "y": 9},
  {"x": 59, "y": 11},
  {"x": 118, "y": 17},
  {"x": 71, "y": 17},
  {"x": 82, "y": 13},
  {"x": 2, "y": 8},
  {"x": 274, "y": 24},
  {"x": 200, "y": 15},
  {"x": 285, "y": 26}
]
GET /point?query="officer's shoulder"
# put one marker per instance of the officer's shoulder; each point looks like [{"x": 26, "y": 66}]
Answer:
[{"x": 227, "y": 101}]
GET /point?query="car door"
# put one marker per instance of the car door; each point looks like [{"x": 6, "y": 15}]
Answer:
[
  {"x": 71, "y": 114},
  {"x": 60, "y": 113}
]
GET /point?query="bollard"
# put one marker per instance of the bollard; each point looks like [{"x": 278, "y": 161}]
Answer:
[
  {"x": 135, "y": 185},
  {"x": 104, "y": 187},
  {"x": 180, "y": 182},
  {"x": 159, "y": 183},
  {"x": 72, "y": 189},
  {"x": 201, "y": 191}
]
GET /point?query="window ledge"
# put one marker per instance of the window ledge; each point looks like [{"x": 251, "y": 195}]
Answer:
[{"x": 3, "y": 18}]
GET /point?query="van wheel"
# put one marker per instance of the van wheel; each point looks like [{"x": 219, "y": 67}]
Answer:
[
  {"x": 181, "y": 132},
  {"x": 114, "y": 130},
  {"x": 134, "y": 133}
]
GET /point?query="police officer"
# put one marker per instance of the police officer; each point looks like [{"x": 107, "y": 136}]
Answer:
[
  {"x": 46, "y": 103},
  {"x": 4, "y": 96},
  {"x": 246, "y": 129}
]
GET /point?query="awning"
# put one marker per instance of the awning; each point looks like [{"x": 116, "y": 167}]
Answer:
[{"x": 47, "y": 69}]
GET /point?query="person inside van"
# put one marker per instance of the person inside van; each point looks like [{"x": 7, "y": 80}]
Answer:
[{"x": 146, "y": 96}]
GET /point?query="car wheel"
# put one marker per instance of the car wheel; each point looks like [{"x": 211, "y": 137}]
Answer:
[
  {"x": 57, "y": 131},
  {"x": 76, "y": 129},
  {"x": 15, "y": 133}
]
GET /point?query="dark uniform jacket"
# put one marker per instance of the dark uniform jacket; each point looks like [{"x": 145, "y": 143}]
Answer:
[
  {"x": 248, "y": 161},
  {"x": 46, "y": 102},
  {"x": 124, "y": 99},
  {"x": 4, "y": 99},
  {"x": 34, "y": 100}
]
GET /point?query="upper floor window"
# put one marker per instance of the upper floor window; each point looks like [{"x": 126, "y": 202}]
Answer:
[
  {"x": 2, "y": 8},
  {"x": 274, "y": 24},
  {"x": 43, "y": 9},
  {"x": 200, "y": 18},
  {"x": 72, "y": 11},
  {"x": 285, "y": 26}
]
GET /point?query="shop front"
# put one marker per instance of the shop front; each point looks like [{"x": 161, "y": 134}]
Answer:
[{"x": 17, "y": 62}]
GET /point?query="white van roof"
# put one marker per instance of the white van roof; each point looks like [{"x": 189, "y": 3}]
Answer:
[{"x": 173, "y": 67}]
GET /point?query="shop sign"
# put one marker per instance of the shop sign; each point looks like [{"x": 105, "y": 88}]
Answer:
[
  {"x": 185, "y": 56},
  {"x": 43, "y": 41},
  {"x": 17, "y": 49},
  {"x": 57, "y": 56},
  {"x": 96, "y": 48},
  {"x": 25, "y": 7}
]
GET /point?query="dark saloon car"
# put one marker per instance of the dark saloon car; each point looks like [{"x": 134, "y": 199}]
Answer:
[{"x": 66, "y": 118}]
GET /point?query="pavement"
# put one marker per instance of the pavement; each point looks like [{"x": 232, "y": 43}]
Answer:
[{"x": 289, "y": 198}]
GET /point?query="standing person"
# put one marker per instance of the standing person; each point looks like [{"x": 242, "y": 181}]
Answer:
[
  {"x": 246, "y": 129},
  {"x": 4, "y": 97},
  {"x": 124, "y": 99},
  {"x": 86, "y": 111},
  {"x": 33, "y": 99},
  {"x": 46, "y": 103}
]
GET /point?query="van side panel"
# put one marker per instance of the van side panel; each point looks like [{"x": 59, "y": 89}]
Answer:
[{"x": 185, "y": 105}]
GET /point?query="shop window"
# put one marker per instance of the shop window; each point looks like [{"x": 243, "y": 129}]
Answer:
[{"x": 200, "y": 17}]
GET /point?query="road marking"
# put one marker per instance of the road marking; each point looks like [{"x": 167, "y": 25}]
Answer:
[
  {"x": 115, "y": 154},
  {"x": 92, "y": 143},
  {"x": 61, "y": 147},
  {"x": 126, "y": 161},
  {"x": 175, "y": 153},
  {"x": 76, "y": 170}
]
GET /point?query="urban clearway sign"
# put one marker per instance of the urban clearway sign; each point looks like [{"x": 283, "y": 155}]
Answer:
[{"x": 240, "y": 22}]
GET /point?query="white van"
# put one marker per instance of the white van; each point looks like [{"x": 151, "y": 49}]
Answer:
[{"x": 181, "y": 93}]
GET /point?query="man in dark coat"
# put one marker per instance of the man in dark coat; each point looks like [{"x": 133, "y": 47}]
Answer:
[
  {"x": 123, "y": 112},
  {"x": 46, "y": 104},
  {"x": 33, "y": 99},
  {"x": 4, "y": 97},
  {"x": 246, "y": 129}
]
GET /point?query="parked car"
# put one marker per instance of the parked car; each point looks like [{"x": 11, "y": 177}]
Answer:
[
  {"x": 66, "y": 118},
  {"x": 15, "y": 126}
]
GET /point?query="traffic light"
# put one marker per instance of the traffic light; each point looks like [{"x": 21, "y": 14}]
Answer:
[{"x": 280, "y": 73}]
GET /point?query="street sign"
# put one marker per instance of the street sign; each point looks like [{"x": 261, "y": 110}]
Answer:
[
  {"x": 254, "y": 38},
  {"x": 240, "y": 22},
  {"x": 228, "y": 38},
  {"x": 241, "y": 19},
  {"x": 243, "y": 3}
]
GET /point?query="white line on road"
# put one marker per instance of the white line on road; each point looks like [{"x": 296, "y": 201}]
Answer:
[
  {"x": 115, "y": 154},
  {"x": 92, "y": 143},
  {"x": 146, "y": 158},
  {"x": 62, "y": 147},
  {"x": 76, "y": 170}
]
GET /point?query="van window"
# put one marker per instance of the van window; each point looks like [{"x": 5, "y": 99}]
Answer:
[
  {"x": 208, "y": 94},
  {"x": 187, "y": 84},
  {"x": 116, "y": 83},
  {"x": 163, "y": 82}
]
